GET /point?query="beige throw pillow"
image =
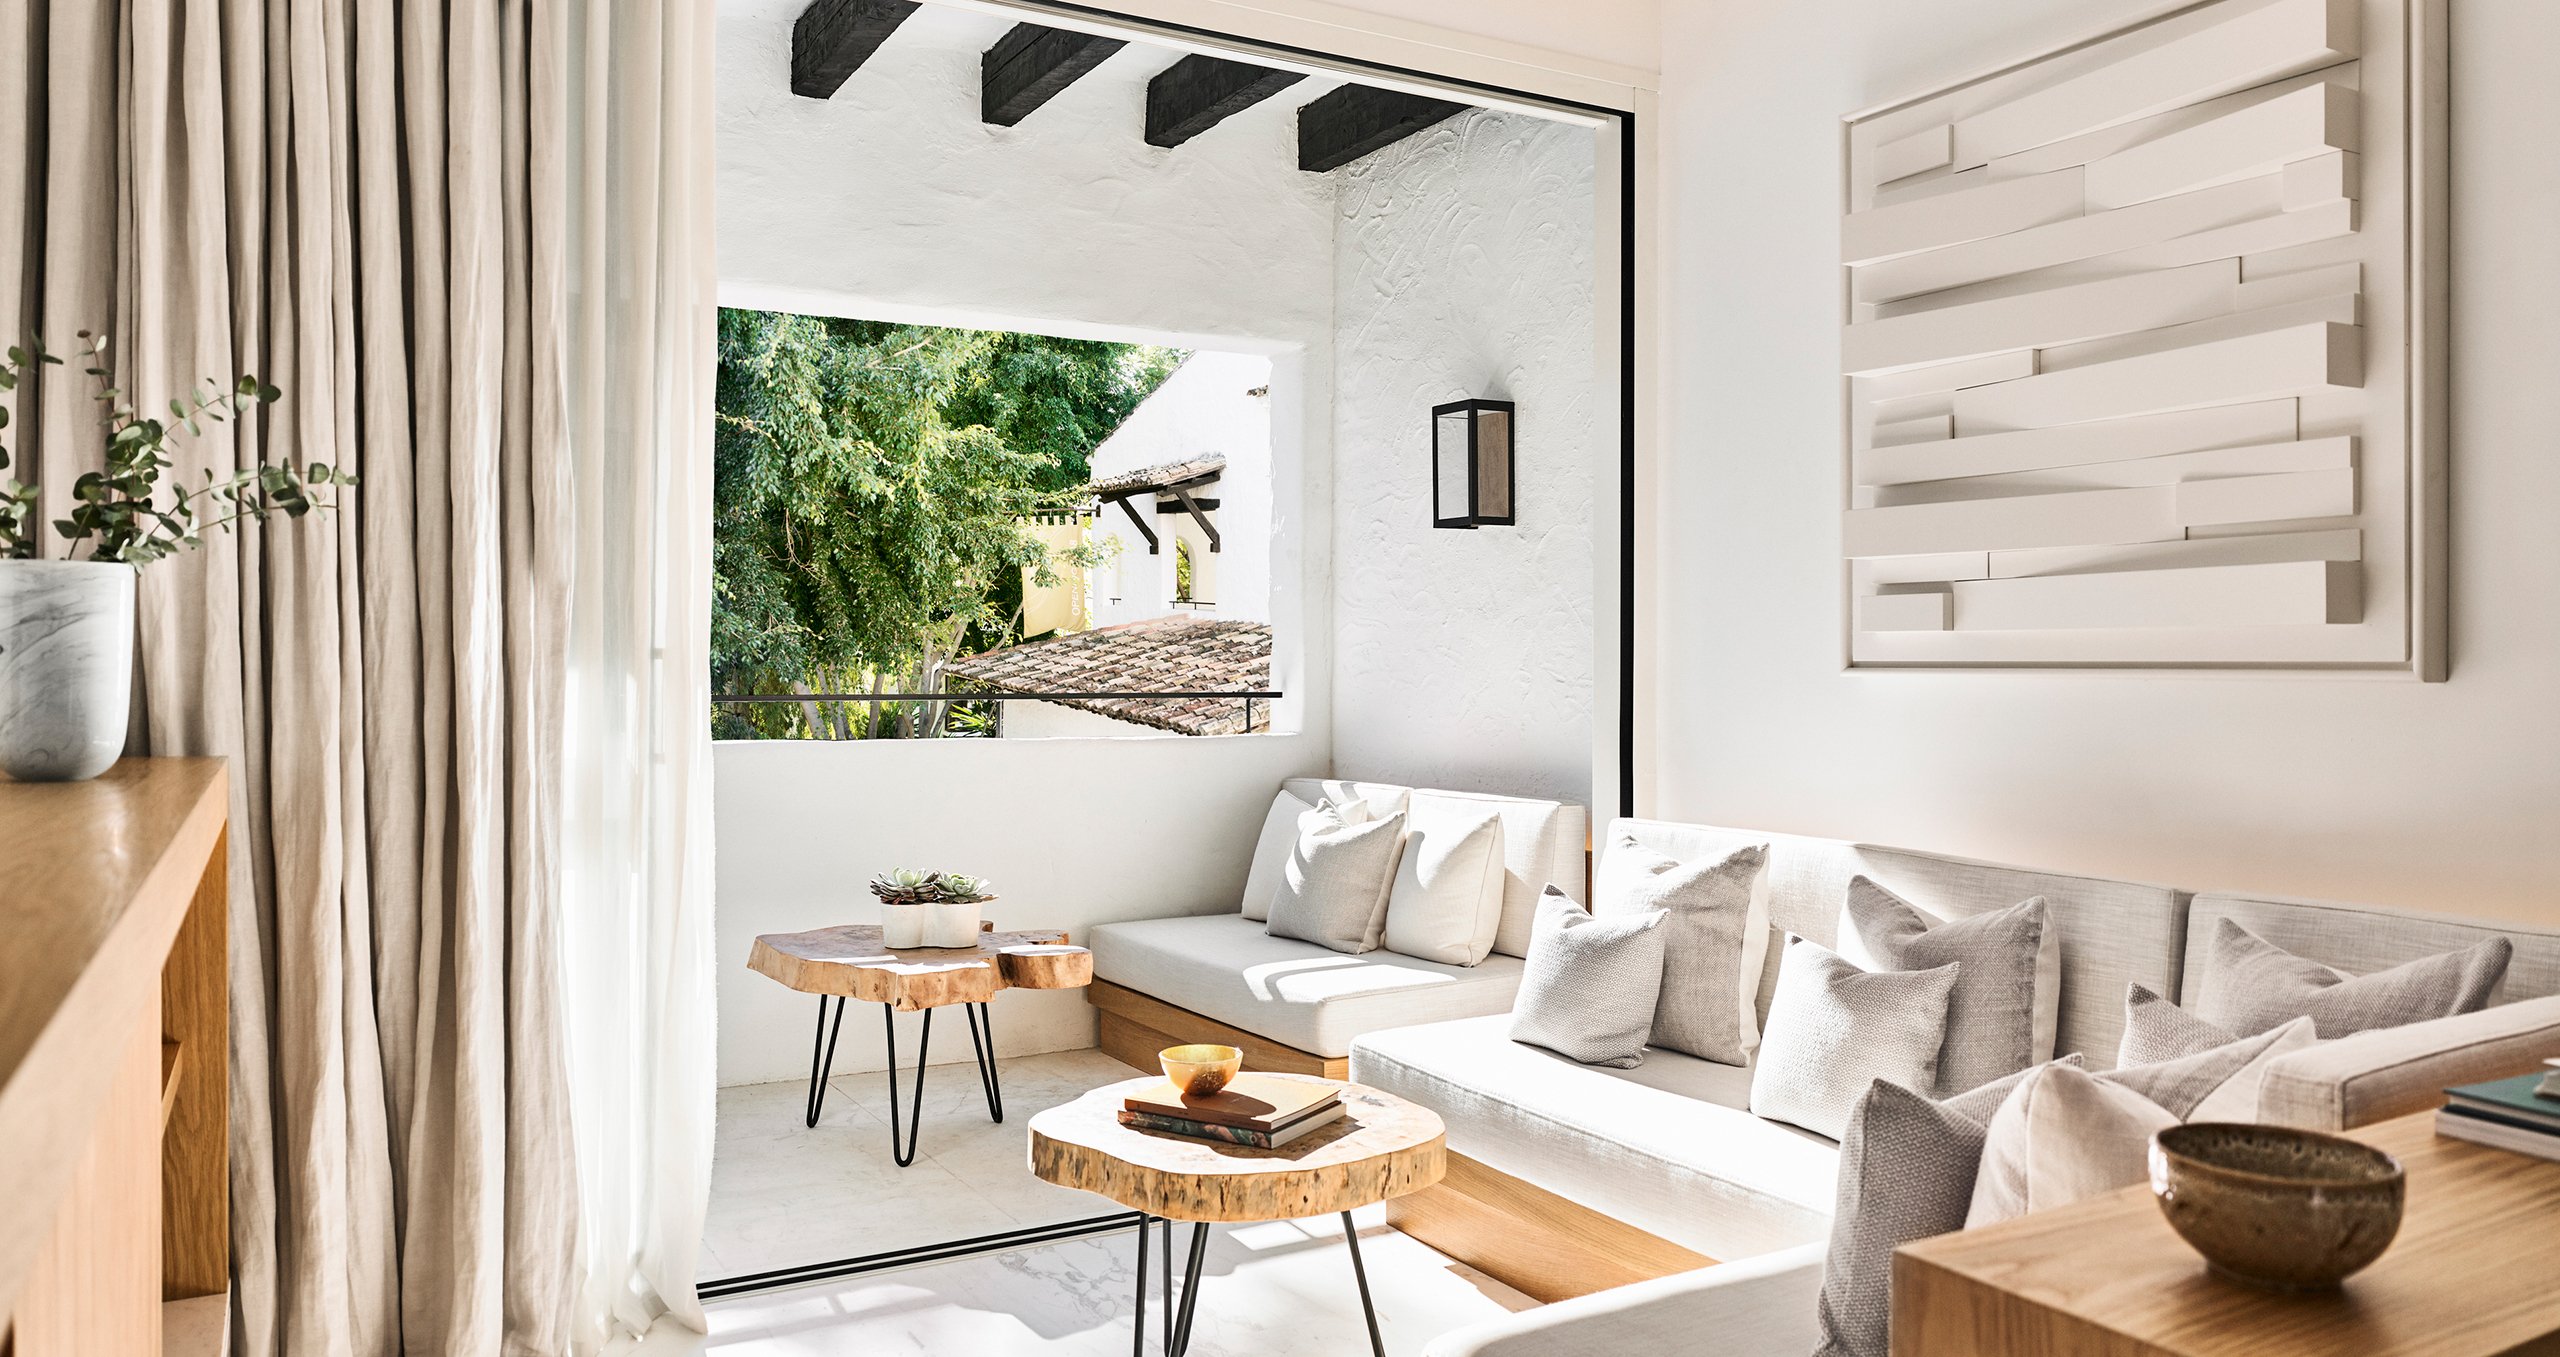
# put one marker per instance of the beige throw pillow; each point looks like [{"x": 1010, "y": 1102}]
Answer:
[
  {"x": 1334, "y": 890},
  {"x": 1446, "y": 903},
  {"x": 2063, "y": 1135},
  {"x": 1713, "y": 944}
]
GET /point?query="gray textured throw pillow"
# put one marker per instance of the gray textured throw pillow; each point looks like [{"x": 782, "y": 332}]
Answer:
[
  {"x": 1334, "y": 891},
  {"x": 2251, "y": 985},
  {"x": 1588, "y": 986},
  {"x": 2008, "y": 996},
  {"x": 2157, "y": 1030},
  {"x": 1834, "y": 1029},
  {"x": 2213, "y": 1083},
  {"x": 1712, "y": 945},
  {"x": 1906, "y": 1173}
]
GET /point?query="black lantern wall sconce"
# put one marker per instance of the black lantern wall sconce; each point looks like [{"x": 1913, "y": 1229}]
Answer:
[{"x": 1471, "y": 464}]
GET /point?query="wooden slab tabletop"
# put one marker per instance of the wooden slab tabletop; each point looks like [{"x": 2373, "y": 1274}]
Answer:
[
  {"x": 1382, "y": 1147},
  {"x": 848, "y": 960},
  {"x": 2475, "y": 1269}
]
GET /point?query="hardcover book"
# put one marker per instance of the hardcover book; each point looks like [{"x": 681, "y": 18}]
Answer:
[
  {"x": 1234, "y": 1135},
  {"x": 1256, "y": 1102},
  {"x": 2516, "y": 1099}
]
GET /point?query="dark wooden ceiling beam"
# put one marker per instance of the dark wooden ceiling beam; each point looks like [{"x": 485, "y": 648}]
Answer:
[
  {"x": 1350, "y": 122},
  {"x": 834, "y": 37},
  {"x": 1199, "y": 92},
  {"x": 1029, "y": 65}
]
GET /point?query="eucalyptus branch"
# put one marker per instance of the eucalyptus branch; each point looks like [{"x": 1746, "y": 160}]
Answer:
[{"x": 117, "y": 512}]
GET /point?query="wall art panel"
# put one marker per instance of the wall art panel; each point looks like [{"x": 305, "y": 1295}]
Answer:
[{"x": 2142, "y": 351}]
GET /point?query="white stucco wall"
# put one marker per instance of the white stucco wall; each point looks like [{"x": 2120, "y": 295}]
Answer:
[
  {"x": 1206, "y": 406},
  {"x": 2442, "y": 797},
  {"x": 1464, "y": 268},
  {"x": 892, "y": 200}
]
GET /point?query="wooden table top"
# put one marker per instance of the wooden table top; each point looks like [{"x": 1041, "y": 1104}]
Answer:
[
  {"x": 2475, "y": 1269},
  {"x": 1382, "y": 1147},
  {"x": 848, "y": 960},
  {"x": 94, "y": 879}
]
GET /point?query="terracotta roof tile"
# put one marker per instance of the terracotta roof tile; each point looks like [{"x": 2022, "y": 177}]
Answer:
[
  {"x": 1159, "y": 476},
  {"x": 1163, "y": 654}
]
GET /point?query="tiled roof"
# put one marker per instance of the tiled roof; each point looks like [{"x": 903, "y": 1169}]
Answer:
[
  {"x": 1163, "y": 654},
  {"x": 1157, "y": 477}
]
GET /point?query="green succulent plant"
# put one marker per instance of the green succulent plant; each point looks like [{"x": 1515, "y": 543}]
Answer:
[{"x": 913, "y": 886}]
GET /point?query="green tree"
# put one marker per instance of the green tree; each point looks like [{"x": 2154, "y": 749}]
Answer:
[{"x": 869, "y": 491}]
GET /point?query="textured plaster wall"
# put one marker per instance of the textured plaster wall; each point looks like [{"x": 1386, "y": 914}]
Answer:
[
  {"x": 1207, "y": 405},
  {"x": 2433, "y": 796},
  {"x": 1464, "y": 268}
]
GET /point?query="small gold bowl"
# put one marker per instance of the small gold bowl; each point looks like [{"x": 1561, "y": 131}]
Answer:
[
  {"x": 2277, "y": 1208},
  {"x": 1200, "y": 1070}
]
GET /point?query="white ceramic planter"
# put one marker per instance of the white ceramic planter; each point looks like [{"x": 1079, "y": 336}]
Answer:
[
  {"x": 953, "y": 923},
  {"x": 66, "y": 667},
  {"x": 902, "y": 925}
]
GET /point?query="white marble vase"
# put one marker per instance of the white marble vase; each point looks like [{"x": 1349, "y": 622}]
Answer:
[{"x": 66, "y": 667}]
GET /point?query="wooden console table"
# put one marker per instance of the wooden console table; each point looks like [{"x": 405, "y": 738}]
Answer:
[
  {"x": 114, "y": 1051},
  {"x": 2471, "y": 1273}
]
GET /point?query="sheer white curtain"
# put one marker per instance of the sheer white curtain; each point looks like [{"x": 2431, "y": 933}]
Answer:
[{"x": 636, "y": 841}]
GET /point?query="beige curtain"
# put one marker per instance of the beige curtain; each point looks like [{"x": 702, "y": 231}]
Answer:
[{"x": 366, "y": 202}]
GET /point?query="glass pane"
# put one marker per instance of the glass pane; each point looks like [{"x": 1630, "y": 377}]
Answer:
[
  {"x": 1449, "y": 468},
  {"x": 1493, "y": 465}
]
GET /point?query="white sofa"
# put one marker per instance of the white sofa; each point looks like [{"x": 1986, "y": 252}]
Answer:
[
  {"x": 1312, "y": 1000},
  {"x": 1671, "y": 1148}
]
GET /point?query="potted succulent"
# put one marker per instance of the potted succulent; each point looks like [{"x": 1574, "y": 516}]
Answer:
[
  {"x": 66, "y": 623},
  {"x": 930, "y": 909}
]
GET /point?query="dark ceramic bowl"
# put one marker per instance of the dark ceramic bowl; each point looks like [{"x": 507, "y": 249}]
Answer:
[{"x": 2274, "y": 1207}]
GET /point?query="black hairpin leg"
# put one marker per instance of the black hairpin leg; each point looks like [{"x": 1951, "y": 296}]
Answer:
[
  {"x": 986, "y": 1051},
  {"x": 915, "y": 1116},
  {"x": 1351, "y": 1236},
  {"x": 822, "y": 1058},
  {"x": 1138, "y": 1326},
  {"x": 1179, "y": 1341}
]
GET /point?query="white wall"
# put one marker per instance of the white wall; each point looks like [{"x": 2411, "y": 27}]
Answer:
[
  {"x": 1206, "y": 406},
  {"x": 2442, "y": 796},
  {"x": 1464, "y": 268},
  {"x": 892, "y": 200}
]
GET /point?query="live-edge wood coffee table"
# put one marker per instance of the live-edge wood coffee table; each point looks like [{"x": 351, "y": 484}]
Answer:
[
  {"x": 848, "y": 962},
  {"x": 1382, "y": 1147}
]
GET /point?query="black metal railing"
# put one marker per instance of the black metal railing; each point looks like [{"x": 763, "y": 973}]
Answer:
[{"x": 1247, "y": 697}]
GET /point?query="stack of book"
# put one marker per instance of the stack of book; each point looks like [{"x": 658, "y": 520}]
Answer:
[
  {"x": 1261, "y": 1110},
  {"x": 2520, "y": 1114}
]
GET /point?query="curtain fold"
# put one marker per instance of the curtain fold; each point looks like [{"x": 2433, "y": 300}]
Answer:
[{"x": 470, "y": 241}]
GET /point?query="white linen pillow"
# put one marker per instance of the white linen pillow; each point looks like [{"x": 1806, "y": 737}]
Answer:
[
  {"x": 1834, "y": 1030},
  {"x": 1271, "y": 852},
  {"x": 2062, "y": 1136},
  {"x": 1713, "y": 945},
  {"x": 1446, "y": 904},
  {"x": 1586, "y": 992},
  {"x": 1334, "y": 889}
]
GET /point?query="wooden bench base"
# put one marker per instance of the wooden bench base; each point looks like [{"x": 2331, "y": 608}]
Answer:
[
  {"x": 1530, "y": 1239},
  {"x": 1133, "y": 1027}
]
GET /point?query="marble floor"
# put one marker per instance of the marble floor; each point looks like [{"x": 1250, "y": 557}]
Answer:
[
  {"x": 784, "y": 1194},
  {"x": 1278, "y": 1290}
]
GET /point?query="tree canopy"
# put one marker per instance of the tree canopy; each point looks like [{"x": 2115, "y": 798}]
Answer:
[{"x": 871, "y": 488}]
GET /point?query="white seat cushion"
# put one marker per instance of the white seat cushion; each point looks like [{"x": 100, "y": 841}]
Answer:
[
  {"x": 1299, "y": 994},
  {"x": 1667, "y": 1146}
]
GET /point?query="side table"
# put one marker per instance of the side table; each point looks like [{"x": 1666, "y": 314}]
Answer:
[
  {"x": 848, "y": 962},
  {"x": 2470, "y": 1273},
  {"x": 1382, "y": 1147}
]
